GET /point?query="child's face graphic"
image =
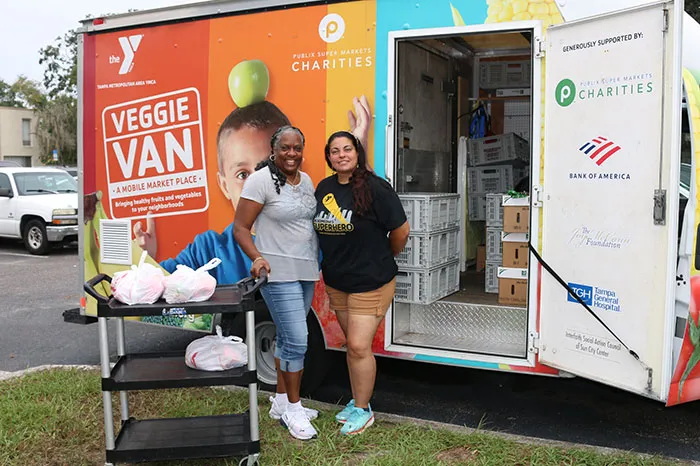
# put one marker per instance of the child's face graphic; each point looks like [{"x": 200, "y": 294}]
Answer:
[{"x": 242, "y": 150}]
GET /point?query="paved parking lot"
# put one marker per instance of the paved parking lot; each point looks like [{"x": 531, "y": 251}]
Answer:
[{"x": 34, "y": 292}]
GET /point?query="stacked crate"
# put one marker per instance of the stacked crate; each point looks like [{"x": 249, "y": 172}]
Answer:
[
  {"x": 494, "y": 246},
  {"x": 429, "y": 264},
  {"x": 495, "y": 165},
  {"x": 512, "y": 276}
]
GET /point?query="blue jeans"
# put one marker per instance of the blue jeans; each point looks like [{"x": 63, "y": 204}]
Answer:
[{"x": 289, "y": 304}]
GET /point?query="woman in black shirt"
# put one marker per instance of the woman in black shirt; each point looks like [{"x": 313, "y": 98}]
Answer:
[{"x": 361, "y": 226}]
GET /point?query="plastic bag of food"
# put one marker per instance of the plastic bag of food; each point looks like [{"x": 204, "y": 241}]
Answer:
[
  {"x": 216, "y": 352},
  {"x": 187, "y": 285},
  {"x": 141, "y": 284}
]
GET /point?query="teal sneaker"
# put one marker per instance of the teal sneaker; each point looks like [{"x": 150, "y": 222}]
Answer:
[
  {"x": 358, "y": 421},
  {"x": 345, "y": 413}
]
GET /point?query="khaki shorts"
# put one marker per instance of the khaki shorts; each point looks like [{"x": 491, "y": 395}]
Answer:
[{"x": 369, "y": 303}]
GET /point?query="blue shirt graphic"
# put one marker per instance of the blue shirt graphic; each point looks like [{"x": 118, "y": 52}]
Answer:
[{"x": 235, "y": 264}]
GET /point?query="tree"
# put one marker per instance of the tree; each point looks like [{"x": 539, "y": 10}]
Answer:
[
  {"x": 8, "y": 97},
  {"x": 23, "y": 93},
  {"x": 57, "y": 128},
  {"x": 60, "y": 62}
]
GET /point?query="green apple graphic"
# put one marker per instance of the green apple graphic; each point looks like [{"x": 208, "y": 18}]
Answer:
[{"x": 248, "y": 82}]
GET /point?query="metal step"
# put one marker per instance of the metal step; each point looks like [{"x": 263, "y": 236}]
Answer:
[
  {"x": 183, "y": 438},
  {"x": 463, "y": 327},
  {"x": 148, "y": 371}
]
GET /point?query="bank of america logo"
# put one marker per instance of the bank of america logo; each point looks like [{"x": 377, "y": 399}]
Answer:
[{"x": 599, "y": 149}]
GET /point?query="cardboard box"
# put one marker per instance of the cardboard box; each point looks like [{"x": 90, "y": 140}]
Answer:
[
  {"x": 512, "y": 291},
  {"x": 481, "y": 258},
  {"x": 516, "y": 219},
  {"x": 516, "y": 214},
  {"x": 515, "y": 255}
]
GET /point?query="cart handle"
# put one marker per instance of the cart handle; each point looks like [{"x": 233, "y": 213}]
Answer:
[
  {"x": 260, "y": 282},
  {"x": 89, "y": 286}
]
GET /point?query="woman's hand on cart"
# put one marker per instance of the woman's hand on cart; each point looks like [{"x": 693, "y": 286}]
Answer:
[{"x": 259, "y": 265}]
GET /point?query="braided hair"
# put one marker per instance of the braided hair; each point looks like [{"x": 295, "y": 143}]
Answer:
[
  {"x": 276, "y": 173},
  {"x": 361, "y": 192}
]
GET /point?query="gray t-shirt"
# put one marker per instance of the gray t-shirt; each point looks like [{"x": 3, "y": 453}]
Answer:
[{"x": 284, "y": 229}]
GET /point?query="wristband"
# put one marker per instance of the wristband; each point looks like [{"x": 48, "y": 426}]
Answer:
[{"x": 257, "y": 259}]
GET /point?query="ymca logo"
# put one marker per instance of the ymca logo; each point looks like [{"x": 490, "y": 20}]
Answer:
[
  {"x": 331, "y": 28},
  {"x": 599, "y": 149},
  {"x": 129, "y": 47}
]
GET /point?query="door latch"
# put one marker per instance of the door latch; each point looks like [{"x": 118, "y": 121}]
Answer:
[{"x": 659, "y": 207}]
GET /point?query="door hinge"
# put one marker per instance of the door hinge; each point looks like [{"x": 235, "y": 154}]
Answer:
[
  {"x": 534, "y": 344},
  {"x": 539, "y": 47},
  {"x": 537, "y": 196},
  {"x": 659, "y": 207},
  {"x": 666, "y": 20}
]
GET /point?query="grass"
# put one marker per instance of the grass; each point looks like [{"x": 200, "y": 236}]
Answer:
[{"x": 54, "y": 417}]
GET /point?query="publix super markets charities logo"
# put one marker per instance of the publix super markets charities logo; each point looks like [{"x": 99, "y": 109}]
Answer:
[{"x": 567, "y": 92}]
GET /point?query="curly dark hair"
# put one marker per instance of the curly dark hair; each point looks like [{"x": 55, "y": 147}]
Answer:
[
  {"x": 278, "y": 175},
  {"x": 361, "y": 192}
]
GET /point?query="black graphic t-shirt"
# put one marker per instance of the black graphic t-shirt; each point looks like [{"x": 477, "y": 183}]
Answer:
[{"x": 357, "y": 254}]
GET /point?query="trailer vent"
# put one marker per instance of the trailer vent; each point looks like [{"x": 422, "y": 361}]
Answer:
[{"x": 115, "y": 242}]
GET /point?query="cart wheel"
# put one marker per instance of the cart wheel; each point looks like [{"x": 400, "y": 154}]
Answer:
[{"x": 244, "y": 462}]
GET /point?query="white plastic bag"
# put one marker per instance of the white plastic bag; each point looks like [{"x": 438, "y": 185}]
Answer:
[
  {"x": 216, "y": 352},
  {"x": 187, "y": 285},
  {"x": 142, "y": 284}
]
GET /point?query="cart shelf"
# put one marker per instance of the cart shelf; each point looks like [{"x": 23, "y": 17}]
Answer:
[
  {"x": 184, "y": 438},
  {"x": 226, "y": 299},
  {"x": 149, "y": 371}
]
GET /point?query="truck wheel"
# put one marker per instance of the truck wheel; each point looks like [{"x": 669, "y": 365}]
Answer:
[
  {"x": 315, "y": 363},
  {"x": 34, "y": 236}
]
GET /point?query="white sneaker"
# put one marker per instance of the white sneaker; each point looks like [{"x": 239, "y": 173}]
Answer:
[
  {"x": 298, "y": 425},
  {"x": 277, "y": 410}
]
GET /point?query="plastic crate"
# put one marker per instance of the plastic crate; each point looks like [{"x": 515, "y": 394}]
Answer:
[
  {"x": 494, "y": 246},
  {"x": 498, "y": 149},
  {"x": 494, "y": 210},
  {"x": 477, "y": 206},
  {"x": 490, "y": 179},
  {"x": 491, "y": 282},
  {"x": 430, "y": 249},
  {"x": 428, "y": 212},
  {"x": 425, "y": 286}
]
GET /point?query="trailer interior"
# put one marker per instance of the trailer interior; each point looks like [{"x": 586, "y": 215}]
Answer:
[{"x": 447, "y": 89}]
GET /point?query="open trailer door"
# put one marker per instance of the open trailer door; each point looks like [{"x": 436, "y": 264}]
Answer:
[{"x": 610, "y": 198}]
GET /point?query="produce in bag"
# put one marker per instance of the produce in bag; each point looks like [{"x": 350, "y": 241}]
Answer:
[
  {"x": 142, "y": 284},
  {"x": 187, "y": 285},
  {"x": 216, "y": 352}
]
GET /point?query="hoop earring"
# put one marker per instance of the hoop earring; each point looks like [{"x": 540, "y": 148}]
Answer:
[{"x": 272, "y": 157}]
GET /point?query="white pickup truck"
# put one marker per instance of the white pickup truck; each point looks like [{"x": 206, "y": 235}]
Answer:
[{"x": 38, "y": 205}]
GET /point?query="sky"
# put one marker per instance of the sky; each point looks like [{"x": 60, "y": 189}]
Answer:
[{"x": 28, "y": 25}]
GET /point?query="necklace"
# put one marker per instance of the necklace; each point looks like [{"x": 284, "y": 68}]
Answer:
[{"x": 295, "y": 185}]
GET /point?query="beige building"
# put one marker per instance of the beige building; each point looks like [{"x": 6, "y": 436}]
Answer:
[{"x": 17, "y": 136}]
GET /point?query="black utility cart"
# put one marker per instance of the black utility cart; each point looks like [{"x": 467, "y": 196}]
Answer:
[{"x": 178, "y": 438}]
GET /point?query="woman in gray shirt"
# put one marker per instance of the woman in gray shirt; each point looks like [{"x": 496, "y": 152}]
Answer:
[{"x": 278, "y": 201}]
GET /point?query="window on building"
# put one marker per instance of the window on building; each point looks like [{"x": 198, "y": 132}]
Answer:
[{"x": 26, "y": 132}]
